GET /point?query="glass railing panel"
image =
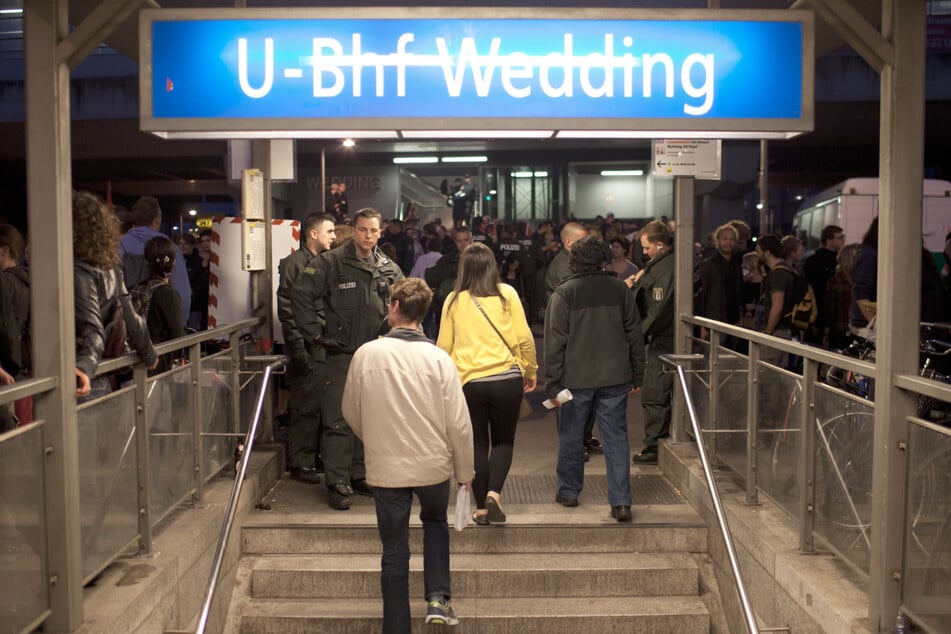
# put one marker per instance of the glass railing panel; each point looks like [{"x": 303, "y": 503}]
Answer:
[
  {"x": 843, "y": 489},
  {"x": 777, "y": 442},
  {"x": 171, "y": 440},
  {"x": 732, "y": 387},
  {"x": 24, "y": 582},
  {"x": 699, "y": 381},
  {"x": 108, "y": 466},
  {"x": 926, "y": 578},
  {"x": 217, "y": 386},
  {"x": 251, "y": 380}
]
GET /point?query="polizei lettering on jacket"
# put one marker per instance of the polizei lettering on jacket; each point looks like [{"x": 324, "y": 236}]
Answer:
[{"x": 485, "y": 67}]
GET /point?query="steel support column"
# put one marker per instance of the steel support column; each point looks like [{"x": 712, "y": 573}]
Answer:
[
  {"x": 901, "y": 163},
  {"x": 262, "y": 282},
  {"x": 49, "y": 195},
  {"x": 683, "y": 283}
]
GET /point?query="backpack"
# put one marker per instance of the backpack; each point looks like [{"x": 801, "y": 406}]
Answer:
[
  {"x": 141, "y": 296},
  {"x": 115, "y": 333},
  {"x": 804, "y": 311},
  {"x": 134, "y": 268}
]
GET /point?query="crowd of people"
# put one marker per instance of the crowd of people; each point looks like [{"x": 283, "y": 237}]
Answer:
[{"x": 411, "y": 351}]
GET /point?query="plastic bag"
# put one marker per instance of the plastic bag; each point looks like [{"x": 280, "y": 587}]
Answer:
[{"x": 462, "y": 508}]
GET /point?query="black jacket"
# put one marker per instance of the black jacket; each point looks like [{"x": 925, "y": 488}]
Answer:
[
  {"x": 592, "y": 334},
  {"x": 95, "y": 292},
  {"x": 655, "y": 296},
  {"x": 352, "y": 294},
  {"x": 722, "y": 284}
]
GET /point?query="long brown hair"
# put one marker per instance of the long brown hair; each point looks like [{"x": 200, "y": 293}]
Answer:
[
  {"x": 95, "y": 232},
  {"x": 478, "y": 274}
]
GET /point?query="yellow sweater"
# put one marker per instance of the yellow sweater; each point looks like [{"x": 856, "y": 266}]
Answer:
[{"x": 475, "y": 347}]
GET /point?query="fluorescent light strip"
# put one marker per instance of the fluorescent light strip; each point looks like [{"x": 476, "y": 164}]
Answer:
[
  {"x": 464, "y": 159},
  {"x": 415, "y": 160},
  {"x": 11, "y": 11},
  {"x": 622, "y": 172},
  {"x": 529, "y": 174}
]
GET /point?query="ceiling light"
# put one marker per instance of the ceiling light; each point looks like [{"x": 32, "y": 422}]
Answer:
[
  {"x": 622, "y": 172},
  {"x": 192, "y": 212},
  {"x": 348, "y": 143},
  {"x": 527, "y": 174},
  {"x": 415, "y": 160},
  {"x": 464, "y": 159}
]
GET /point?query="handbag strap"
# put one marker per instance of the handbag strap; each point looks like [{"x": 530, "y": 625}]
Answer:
[{"x": 491, "y": 323}]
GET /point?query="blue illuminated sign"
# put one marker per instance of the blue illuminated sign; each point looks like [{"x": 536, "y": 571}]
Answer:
[{"x": 415, "y": 69}]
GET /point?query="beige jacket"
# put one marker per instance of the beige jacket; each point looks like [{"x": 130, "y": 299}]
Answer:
[{"x": 403, "y": 399}]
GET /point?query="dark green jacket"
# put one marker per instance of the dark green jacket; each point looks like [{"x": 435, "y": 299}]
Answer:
[
  {"x": 558, "y": 271},
  {"x": 289, "y": 270},
  {"x": 352, "y": 293},
  {"x": 655, "y": 296}
]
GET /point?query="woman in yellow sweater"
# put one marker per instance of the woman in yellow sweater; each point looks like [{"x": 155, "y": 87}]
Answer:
[{"x": 485, "y": 332}]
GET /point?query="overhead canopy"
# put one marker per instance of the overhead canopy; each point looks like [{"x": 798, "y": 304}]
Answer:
[{"x": 400, "y": 73}]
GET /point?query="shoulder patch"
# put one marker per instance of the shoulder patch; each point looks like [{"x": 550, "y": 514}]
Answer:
[{"x": 658, "y": 293}]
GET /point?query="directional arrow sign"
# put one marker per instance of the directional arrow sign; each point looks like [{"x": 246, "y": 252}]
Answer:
[{"x": 699, "y": 158}]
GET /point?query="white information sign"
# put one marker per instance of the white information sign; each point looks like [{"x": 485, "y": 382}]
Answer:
[
  {"x": 253, "y": 246},
  {"x": 699, "y": 158},
  {"x": 252, "y": 194}
]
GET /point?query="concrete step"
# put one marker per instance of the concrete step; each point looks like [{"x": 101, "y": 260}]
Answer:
[
  {"x": 565, "y": 615},
  {"x": 486, "y": 576},
  {"x": 318, "y": 539}
]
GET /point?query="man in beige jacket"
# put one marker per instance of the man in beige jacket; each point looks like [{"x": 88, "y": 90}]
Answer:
[{"x": 403, "y": 398}]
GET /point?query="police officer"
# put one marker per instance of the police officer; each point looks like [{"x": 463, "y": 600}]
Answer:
[
  {"x": 307, "y": 368},
  {"x": 653, "y": 287},
  {"x": 351, "y": 287}
]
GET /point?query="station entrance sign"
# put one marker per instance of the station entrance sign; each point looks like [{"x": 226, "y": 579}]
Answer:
[
  {"x": 648, "y": 73},
  {"x": 699, "y": 158}
]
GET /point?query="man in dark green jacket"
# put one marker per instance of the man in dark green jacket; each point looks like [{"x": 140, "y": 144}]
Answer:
[
  {"x": 306, "y": 376},
  {"x": 351, "y": 284},
  {"x": 653, "y": 287}
]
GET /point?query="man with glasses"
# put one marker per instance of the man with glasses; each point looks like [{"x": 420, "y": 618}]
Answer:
[{"x": 340, "y": 303}]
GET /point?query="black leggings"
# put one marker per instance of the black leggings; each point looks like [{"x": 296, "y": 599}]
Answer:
[{"x": 493, "y": 408}]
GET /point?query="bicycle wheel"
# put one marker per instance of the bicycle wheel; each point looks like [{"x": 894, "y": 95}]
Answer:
[{"x": 844, "y": 483}]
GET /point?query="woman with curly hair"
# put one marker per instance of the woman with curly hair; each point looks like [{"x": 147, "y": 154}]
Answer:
[{"x": 97, "y": 282}]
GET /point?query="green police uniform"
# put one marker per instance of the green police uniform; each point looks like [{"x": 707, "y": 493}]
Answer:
[
  {"x": 655, "y": 300},
  {"x": 306, "y": 375},
  {"x": 347, "y": 296}
]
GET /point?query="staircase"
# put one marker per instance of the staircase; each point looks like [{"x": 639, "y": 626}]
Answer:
[{"x": 307, "y": 569}]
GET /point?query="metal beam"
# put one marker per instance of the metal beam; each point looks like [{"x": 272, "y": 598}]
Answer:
[
  {"x": 49, "y": 195},
  {"x": 901, "y": 165},
  {"x": 854, "y": 29},
  {"x": 88, "y": 34},
  {"x": 684, "y": 212},
  {"x": 166, "y": 188}
]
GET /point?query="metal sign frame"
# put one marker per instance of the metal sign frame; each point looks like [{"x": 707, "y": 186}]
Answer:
[{"x": 543, "y": 127}]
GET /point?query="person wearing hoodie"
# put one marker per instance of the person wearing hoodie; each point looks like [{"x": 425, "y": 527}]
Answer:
[{"x": 147, "y": 218}]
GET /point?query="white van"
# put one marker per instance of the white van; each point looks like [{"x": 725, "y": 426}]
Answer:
[{"x": 853, "y": 203}]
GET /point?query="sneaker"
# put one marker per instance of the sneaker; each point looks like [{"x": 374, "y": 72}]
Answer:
[
  {"x": 568, "y": 502},
  {"x": 440, "y": 613},
  {"x": 593, "y": 445},
  {"x": 647, "y": 456}
]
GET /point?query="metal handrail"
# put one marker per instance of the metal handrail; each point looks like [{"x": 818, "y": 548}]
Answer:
[
  {"x": 674, "y": 360},
  {"x": 274, "y": 362}
]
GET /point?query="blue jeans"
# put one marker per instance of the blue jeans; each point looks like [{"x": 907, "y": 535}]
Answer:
[
  {"x": 609, "y": 405},
  {"x": 392, "y": 517}
]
